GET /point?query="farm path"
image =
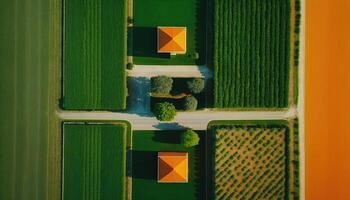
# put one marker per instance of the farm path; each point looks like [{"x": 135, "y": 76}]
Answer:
[
  {"x": 197, "y": 120},
  {"x": 181, "y": 71},
  {"x": 301, "y": 100}
]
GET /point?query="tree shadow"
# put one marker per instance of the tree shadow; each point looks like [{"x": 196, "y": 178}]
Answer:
[
  {"x": 144, "y": 164},
  {"x": 202, "y": 168},
  {"x": 129, "y": 163},
  {"x": 169, "y": 126},
  {"x": 200, "y": 31},
  {"x": 144, "y": 42},
  {"x": 208, "y": 93},
  {"x": 210, "y": 163},
  {"x": 167, "y": 137}
]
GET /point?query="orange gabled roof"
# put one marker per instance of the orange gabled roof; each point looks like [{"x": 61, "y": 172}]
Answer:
[
  {"x": 172, "y": 40},
  {"x": 173, "y": 167}
]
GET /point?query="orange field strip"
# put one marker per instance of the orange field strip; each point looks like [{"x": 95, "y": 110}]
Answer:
[{"x": 327, "y": 106}]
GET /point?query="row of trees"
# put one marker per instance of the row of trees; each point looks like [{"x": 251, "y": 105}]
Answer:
[
  {"x": 297, "y": 31},
  {"x": 166, "y": 111},
  {"x": 164, "y": 85}
]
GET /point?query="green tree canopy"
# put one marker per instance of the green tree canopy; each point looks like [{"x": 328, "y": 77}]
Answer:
[
  {"x": 164, "y": 111},
  {"x": 190, "y": 103},
  {"x": 189, "y": 138},
  {"x": 162, "y": 84},
  {"x": 195, "y": 85}
]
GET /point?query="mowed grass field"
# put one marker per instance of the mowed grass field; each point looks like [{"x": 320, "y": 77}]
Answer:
[
  {"x": 29, "y": 130},
  {"x": 251, "y": 53},
  {"x": 250, "y": 162},
  {"x": 146, "y": 145},
  {"x": 94, "y": 161},
  {"x": 148, "y": 14},
  {"x": 94, "y": 54}
]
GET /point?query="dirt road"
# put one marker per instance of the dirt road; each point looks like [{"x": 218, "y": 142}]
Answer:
[
  {"x": 170, "y": 70},
  {"x": 197, "y": 120}
]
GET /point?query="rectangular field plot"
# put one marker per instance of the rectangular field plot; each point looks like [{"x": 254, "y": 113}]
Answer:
[
  {"x": 251, "y": 162},
  {"x": 94, "y": 161},
  {"x": 149, "y": 14},
  {"x": 251, "y": 53},
  {"x": 94, "y": 54},
  {"x": 146, "y": 145}
]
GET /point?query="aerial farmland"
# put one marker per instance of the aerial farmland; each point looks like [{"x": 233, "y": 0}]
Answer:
[
  {"x": 251, "y": 53},
  {"x": 163, "y": 99},
  {"x": 94, "y": 55},
  {"x": 94, "y": 161}
]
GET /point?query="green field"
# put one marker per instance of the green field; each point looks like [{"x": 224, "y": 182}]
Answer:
[
  {"x": 146, "y": 145},
  {"x": 94, "y": 161},
  {"x": 251, "y": 53},
  {"x": 148, "y": 14},
  {"x": 251, "y": 162},
  {"x": 29, "y": 144},
  {"x": 94, "y": 54}
]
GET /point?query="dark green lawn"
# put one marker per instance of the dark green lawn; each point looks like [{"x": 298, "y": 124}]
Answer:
[
  {"x": 148, "y": 14},
  {"x": 146, "y": 145},
  {"x": 94, "y": 161}
]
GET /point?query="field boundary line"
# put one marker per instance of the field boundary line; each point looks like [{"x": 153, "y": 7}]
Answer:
[{"x": 301, "y": 103}]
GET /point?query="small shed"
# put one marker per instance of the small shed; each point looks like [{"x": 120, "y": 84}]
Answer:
[
  {"x": 172, "y": 167},
  {"x": 171, "y": 40}
]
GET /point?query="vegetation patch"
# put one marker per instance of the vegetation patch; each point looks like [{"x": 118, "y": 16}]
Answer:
[
  {"x": 251, "y": 53},
  {"x": 189, "y": 138},
  {"x": 94, "y": 54},
  {"x": 30, "y": 138},
  {"x": 186, "y": 94},
  {"x": 94, "y": 161},
  {"x": 251, "y": 162},
  {"x": 297, "y": 10},
  {"x": 164, "y": 111},
  {"x": 162, "y": 84}
]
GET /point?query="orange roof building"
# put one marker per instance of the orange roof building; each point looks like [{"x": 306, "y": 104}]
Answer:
[
  {"x": 172, "y": 167},
  {"x": 171, "y": 40}
]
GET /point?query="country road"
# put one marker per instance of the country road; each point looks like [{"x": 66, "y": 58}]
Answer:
[
  {"x": 181, "y": 71},
  {"x": 197, "y": 120}
]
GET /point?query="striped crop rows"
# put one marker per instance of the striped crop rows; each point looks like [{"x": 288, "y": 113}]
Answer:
[
  {"x": 250, "y": 163},
  {"x": 94, "y": 162},
  {"x": 251, "y": 53},
  {"x": 94, "y": 54}
]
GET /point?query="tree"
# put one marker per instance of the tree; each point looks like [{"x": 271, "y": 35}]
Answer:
[
  {"x": 195, "y": 85},
  {"x": 162, "y": 84},
  {"x": 129, "y": 66},
  {"x": 189, "y": 138},
  {"x": 190, "y": 103},
  {"x": 164, "y": 111}
]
